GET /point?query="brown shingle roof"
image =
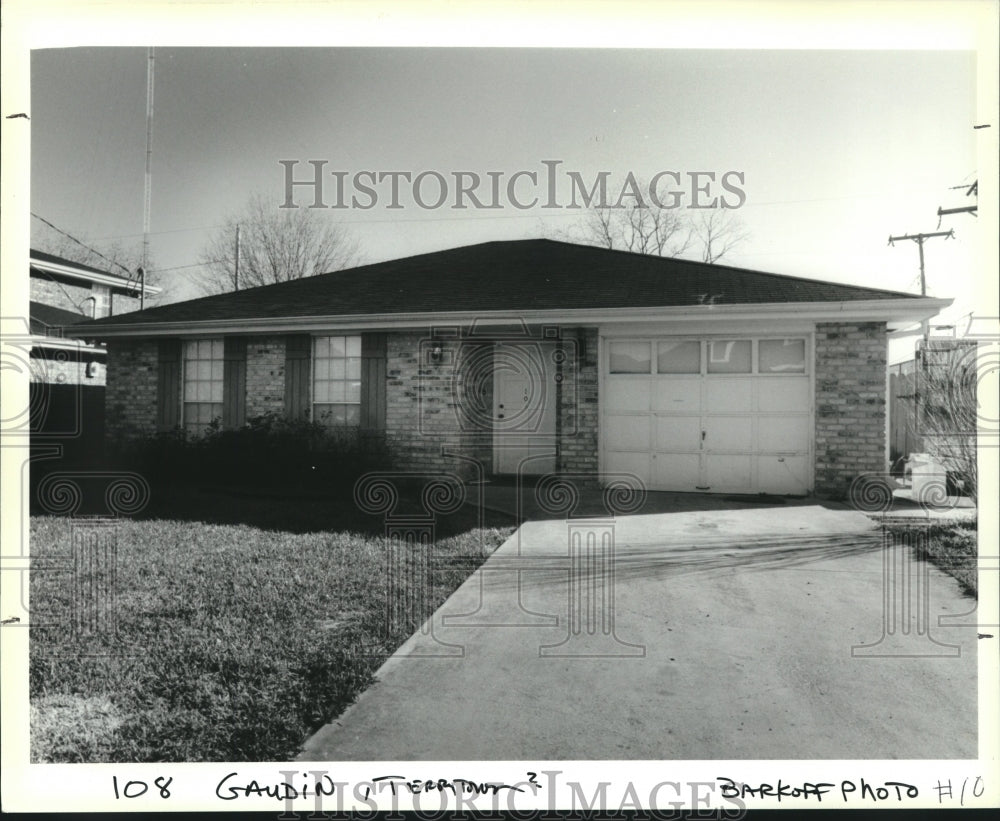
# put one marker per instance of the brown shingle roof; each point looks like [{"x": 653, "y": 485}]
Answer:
[{"x": 519, "y": 275}]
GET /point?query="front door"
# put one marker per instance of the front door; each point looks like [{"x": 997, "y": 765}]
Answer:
[{"x": 524, "y": 407}]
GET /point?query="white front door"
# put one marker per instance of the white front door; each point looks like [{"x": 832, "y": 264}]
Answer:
[
  {"x": 524, "y": 407},
  {"x": 714, "y": 414}
]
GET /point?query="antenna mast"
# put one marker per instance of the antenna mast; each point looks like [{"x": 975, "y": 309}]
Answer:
[{"x": 147, "y": 202}]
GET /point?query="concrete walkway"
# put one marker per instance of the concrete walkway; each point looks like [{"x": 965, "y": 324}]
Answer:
[{"x": 739, "y": 632}]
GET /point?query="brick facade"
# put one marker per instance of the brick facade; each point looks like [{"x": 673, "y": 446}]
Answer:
[
  {"x": 130, "y": 395},
  {"x": 61, "y": 295},
  {"x": 76, "y": 298},
  {"x": 578, "y": 416},
  {"x": 422, "y": 415},
  {"x": 850, "y": 404},
  {"x": 265, "y": 375},
  {"x": 445, "y": 406}
]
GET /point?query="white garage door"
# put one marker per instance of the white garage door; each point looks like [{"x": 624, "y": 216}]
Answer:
[{"x": 720, "y": 415}]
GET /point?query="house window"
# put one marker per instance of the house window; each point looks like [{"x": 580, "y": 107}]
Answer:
[
  {"x": 729, "y": 356},
  {"x": 629, "y": 357},
  {"x": 337, "y": 381},
  {"x": 781, "y": 356},
  {"x": 203, "y": 368},
  {"x": 678, "y": 357}
]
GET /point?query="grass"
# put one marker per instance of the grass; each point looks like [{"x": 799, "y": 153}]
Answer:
[
  {"x": 234, "y": 642},
  {"x": 951, "y": 546}
]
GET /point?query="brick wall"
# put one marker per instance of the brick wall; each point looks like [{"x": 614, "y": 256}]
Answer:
[
  {"x": 122, "y": 304},
  {"x": 61, "y": 295},
  {"x": 578, "y": 418},
  {"x": 130, "y": 396},
  {"x": 850, "y": 404},
  {"x": 265, "y": 375},
  {"x": 422, "y": 415}
]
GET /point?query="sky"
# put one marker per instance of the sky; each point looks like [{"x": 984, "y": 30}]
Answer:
[{"x": 838, "y": 149}]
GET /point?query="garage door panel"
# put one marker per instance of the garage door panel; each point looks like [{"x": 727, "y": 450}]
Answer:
[
  {"x": 627, "y": 432},
  {"x": 777, "y": 395},
  {"x": 678, "y": 433},
  {"x": 727, "y": 430},
  {"x": 729, "y": 433},
  {"x": 677, "y": 395},
  {"x": 783, "y": 474},
  {"x": 783, "y": 433},
  {"x": 726, "y": 472},
  {"x": 626, "y": 393},
  {"x": 728, "y": 395},
  {"x": 676, "y": 471},
  {"x": 637, "y": 464}
]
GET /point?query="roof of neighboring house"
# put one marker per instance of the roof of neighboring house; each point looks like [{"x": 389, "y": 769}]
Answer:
[
  {"x": 45, "y": 316},
  {"x": 42, "y": 256},
  {"x": 42, "y": 264},
  {"x": 516, "y": 276}
]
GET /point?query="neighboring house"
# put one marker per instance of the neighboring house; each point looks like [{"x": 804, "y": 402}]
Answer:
[
  {"x": 61, "y": 292},
  {"x": 538, "y": 356},
  {"x": 67, "y": 376}
]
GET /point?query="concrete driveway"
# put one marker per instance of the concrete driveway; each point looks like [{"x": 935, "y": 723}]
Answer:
[{"x": 713, "y": 634}]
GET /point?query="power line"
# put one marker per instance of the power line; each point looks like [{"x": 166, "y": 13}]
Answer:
[{"x": 81, "y": 244}]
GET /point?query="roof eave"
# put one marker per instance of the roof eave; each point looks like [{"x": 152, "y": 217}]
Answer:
[
  {"x": 121, "y": 285},
  {"x": 893, "y": 311}
]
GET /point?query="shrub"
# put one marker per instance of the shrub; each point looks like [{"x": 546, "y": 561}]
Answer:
[{"x": 268, "y": 451}]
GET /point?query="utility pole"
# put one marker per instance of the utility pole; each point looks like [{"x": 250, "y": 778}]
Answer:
[
  {"x": 972, "y": 190},
  {"x": 236, "y": 271},
  {"x": 920, "y": 239}
]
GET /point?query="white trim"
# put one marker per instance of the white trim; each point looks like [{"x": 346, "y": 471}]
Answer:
[
  {"x": 92, "y": 276},
  {"x": 904, "y": 310},
  {"x": 65, "y": 344}
]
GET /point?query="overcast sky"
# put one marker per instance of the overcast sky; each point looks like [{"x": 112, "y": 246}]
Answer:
[{"x": 839, "y": 149}]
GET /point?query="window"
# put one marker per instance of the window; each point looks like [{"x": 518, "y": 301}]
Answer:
[
  {"x": 629, "y": 357},
  {"x": 203, "y": 368},
  {"x": 781, "y": 356},
  {"x": 729, "y": 356},
  {"x": 337, "y": 381},
  {"x": 678, "y": 357}
]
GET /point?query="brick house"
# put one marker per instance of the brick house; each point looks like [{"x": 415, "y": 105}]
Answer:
[
  {"x": 67, "y": 375},
  {"x": 537, "y": 356},
  {"x": 62, "y": 292}
]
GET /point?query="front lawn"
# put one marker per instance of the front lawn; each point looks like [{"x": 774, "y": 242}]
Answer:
[{"x": 234, "y": 643}]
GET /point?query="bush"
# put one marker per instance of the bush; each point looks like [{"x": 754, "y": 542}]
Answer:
[{"x": 268, "y": 451}]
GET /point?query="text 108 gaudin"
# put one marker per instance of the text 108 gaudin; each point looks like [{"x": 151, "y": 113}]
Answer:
[{"x": 315, "y": 186}]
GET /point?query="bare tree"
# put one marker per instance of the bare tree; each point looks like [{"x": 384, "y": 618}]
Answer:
[
  {"x": 276, "y": 245},
  {"x": 639, "y": 228},
  {"x": 718, "y": 231},
  {"x": 647, "y": 228}
]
